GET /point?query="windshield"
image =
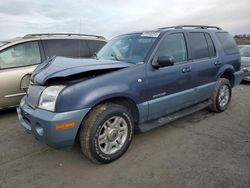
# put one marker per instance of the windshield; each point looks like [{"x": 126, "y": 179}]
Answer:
[
  {"x": 129, "y": 48},
  {"x": 244, "y": 51}
]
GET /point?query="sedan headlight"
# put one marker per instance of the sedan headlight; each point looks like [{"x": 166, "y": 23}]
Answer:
[{"x": 48, "y": 97}]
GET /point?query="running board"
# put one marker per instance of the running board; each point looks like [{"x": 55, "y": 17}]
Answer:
[{"x": 173, "y": 116}]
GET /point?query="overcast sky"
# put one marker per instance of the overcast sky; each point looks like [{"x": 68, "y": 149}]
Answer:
[{"x": 113, "y": 17}]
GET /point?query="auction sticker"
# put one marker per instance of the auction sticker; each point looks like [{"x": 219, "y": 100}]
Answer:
[{"x": 150, "y": 34}]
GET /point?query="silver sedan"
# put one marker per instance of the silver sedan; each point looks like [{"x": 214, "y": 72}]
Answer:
[{"x": 245, "y": 60}]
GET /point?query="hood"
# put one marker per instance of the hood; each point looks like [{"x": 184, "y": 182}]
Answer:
[
  {"x": 62, "y": 67},
  {"x": 245, "y": 61}
]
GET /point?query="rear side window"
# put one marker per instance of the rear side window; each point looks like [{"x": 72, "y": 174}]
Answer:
[
  {"x": 198, "y": 45},
  {"x": 66, "y": 47},
  {"x": 210, "y": 44},
  {"x": 228, "y": 43},
  {"x": 95, "y": 46}
]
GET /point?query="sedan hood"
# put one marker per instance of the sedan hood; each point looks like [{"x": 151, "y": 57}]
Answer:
[{"x": 61, "y": 67}]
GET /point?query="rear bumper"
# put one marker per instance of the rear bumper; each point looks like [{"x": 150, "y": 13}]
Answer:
[{"x": 41, "y": 124}]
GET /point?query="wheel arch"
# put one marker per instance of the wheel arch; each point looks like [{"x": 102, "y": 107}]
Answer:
[
  {"x": 124, "y": 101},
  {"x": 121, "y": 100},
  {"x": 228, "y": 73}
]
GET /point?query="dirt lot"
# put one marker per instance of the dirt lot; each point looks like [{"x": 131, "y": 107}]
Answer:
[{"x": 202, "y": 150}]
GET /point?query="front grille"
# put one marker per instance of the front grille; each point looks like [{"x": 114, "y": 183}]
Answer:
[{"x": 34, "y": 95}]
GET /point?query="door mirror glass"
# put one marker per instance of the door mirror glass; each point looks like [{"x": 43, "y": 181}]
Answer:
[{"x": 163, "y": 61}]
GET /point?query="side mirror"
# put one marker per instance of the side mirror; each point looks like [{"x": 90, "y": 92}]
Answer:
[
  {"x": 25, "y": 82},
  {"x": 163, "y": 61}
]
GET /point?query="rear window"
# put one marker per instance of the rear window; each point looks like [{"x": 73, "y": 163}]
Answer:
[
  {"x": 228, "y": 43},
  {"x": 198, "y": 45},
  {"x": 95, "y": 46},
  {"x": 66, "y": 47}
]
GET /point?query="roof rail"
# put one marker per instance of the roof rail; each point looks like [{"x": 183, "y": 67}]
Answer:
[
  {"x": 62, "y": 34},
  {"x": 193, "y": 26}
]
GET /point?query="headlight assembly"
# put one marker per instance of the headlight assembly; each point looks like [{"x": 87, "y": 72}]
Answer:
[{"x": 48, "y": 97}]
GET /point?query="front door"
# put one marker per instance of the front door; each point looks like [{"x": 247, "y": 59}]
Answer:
[{"x": 171, "y": 88}]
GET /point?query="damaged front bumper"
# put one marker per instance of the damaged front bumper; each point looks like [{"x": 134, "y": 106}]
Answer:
[{"x": 43, "y": 124}]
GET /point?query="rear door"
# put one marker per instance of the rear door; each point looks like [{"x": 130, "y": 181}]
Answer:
[
  {"x": 205, "y": 63},
  {"x": 15, "y": 62}
]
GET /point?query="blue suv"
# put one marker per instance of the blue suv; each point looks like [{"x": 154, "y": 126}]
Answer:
[{"x": 138, "y": 81}]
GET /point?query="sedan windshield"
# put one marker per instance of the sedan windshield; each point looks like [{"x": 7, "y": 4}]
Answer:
[
  {"x": 129, "y": 48},
  {"x": 244, "y": 51}
]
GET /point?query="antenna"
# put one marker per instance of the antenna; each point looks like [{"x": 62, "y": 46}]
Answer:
[{"x": 80, "y": 29}]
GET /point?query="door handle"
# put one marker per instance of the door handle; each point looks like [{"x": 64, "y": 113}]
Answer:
[
  {"x": 217, "y": 63},
  {"x": 186, "y": 69}
]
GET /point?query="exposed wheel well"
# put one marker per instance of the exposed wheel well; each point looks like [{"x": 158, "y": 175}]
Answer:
[
  {"x": 228, "y": 75},
  {"x": 130, "y": 104}
]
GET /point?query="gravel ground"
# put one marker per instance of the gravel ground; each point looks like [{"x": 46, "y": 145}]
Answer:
[{"x": 201, "y": 150}]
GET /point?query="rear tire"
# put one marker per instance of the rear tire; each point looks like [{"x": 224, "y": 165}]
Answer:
[
  {"x": 221, "y": 96},
  {"x": 106, "y": 133}
]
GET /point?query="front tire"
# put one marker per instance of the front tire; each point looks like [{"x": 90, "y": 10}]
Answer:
[
  {"x": 106, "y": 133},
  {"x": 221, "y": 96}
]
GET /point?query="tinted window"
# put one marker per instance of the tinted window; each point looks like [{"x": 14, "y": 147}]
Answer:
[
  {"x": 66, "y": 48},
  {"x": 24, "y": 54},
  {"x": 228, "y": 43},
  {"x": 198, "y": 45},
  {"x": 210, "y": 44},
  {"x": 84, "y": 49},
  {"x": 95, "y": 46},
  {"x": 174, "y": 45}
]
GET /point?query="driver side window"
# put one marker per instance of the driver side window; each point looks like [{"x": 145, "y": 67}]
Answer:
[
  {"x": 20, "y": 55},
  {"x": 174, "y": 45}
]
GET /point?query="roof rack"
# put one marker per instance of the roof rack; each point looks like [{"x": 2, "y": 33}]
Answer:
[
  {"x": 62, "y": 34},
  {"x": 192, "y": 26}
]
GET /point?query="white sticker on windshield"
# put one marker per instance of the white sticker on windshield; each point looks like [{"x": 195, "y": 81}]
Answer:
[{"x": 150, "y": 34}]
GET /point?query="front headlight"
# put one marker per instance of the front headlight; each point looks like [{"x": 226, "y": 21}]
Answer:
[{"x": 48, "y": 97}]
